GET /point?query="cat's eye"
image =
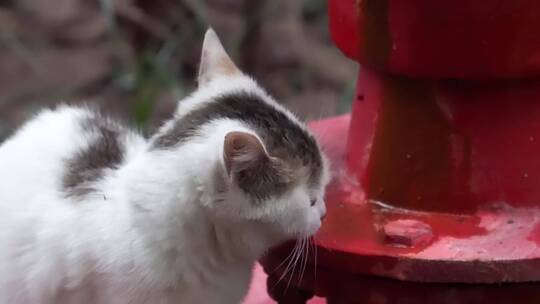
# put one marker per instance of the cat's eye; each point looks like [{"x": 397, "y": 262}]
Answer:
[{"x": 313, "y": 202}]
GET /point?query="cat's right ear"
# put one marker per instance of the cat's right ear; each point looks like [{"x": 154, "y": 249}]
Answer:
[
  {"x": 215, "y": 61},
  {"x": 243, "y": 152}
]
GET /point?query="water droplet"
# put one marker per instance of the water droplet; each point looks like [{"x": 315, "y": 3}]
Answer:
[
  {"x": 408, "y": 156},
  {"x": 525, "y": 175},
  {"x": 531, "y": 139}
]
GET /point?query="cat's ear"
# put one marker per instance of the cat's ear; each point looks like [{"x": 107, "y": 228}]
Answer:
[
  {"x": 214, "y": 59},
  {"x": 243, "y": 151}
]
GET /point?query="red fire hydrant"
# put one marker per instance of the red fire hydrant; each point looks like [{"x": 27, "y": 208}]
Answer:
[{"x": 437, "y": 168}]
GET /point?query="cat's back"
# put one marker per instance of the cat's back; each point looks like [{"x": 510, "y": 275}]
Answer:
[
  {"x": 32, "y": 158},
  {"x": 36, "y": 160}
]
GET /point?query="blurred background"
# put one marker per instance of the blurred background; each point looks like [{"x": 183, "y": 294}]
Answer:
[{"x": 135, "y": 59}]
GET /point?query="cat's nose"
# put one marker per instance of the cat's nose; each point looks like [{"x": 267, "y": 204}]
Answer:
[
  {"x": 323, "y": 211},
  {"x": 323, "y": 216}
]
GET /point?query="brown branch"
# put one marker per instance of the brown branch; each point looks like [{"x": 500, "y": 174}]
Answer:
[{"x": 126, "y": 9}]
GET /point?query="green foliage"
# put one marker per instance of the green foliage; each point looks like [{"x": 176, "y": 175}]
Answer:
[
  {"x": 313, "y": 9},
  {"x": 347, "y": 97}
]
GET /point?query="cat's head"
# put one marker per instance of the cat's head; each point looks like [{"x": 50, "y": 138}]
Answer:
[{"x": 265, "y": 168}]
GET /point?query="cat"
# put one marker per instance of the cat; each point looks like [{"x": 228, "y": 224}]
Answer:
[{"x": 93, "y": 212}]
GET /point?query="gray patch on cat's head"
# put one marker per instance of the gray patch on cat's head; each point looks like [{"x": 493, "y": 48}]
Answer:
[
  {"x": 87, "y": 166},
  {"x": 285, "y": 140},
  {"x": 268, "y": 179},
  {"x": 254, "y": 170}
]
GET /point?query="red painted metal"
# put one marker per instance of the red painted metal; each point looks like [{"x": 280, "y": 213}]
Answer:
[
  {"x": 345, "y": 288},
  {"x": 439, "y": 178},
  {"x": 496, "y": 242},
  {"x": 444, "y": 38}
]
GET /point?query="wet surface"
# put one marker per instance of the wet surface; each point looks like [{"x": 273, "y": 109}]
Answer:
[
  {"x": 496, "y": 245},
  {"x": 332, "y": 286},
  {"x": 354, "y": 223},
  {"x": 483, "y": 243},
  {"x": 372, "y": 290}
]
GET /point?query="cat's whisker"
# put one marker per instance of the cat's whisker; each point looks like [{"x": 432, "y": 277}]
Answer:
[
  {"x": 305, "y": 259},
  {"x": 314, "y": 260},
  {"x": 298, "y": 256},
  {"x": 298, "y": 259},
  {"x": 287, "y": 268},
  {"x": 290, "y": 258},
  {"x": 301, "y": 258},
  {"x": 285, "y": 259},
  {"x": 309, "y": 253}
]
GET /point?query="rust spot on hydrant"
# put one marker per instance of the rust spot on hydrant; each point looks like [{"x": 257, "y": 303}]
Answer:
[{"x": 407, "y": 233}]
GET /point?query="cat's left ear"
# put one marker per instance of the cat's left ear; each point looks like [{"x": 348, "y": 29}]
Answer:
[
  {"x": 243, "y": 152},
  {"x": 215, "y": 61}
]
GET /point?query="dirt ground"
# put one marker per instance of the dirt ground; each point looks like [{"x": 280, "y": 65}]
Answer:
[{"x": 137, "y": 58}]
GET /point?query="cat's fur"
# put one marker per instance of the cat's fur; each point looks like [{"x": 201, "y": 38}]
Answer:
[{"x": 91, "y": 212}]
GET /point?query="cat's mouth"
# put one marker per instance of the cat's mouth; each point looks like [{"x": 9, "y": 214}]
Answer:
[{"x": 310, "y": 231}]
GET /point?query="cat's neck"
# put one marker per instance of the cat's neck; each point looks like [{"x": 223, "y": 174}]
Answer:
[{"x": 168, "y": 195}]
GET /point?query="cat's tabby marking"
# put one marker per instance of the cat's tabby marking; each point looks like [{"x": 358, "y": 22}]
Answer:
[{"x": 105, "y": 151}]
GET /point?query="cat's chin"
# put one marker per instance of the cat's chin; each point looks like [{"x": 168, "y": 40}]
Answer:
[{"x": 308, "y": 234}]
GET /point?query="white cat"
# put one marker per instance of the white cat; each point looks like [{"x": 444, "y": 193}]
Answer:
[{"x": 92, "y": 212}]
